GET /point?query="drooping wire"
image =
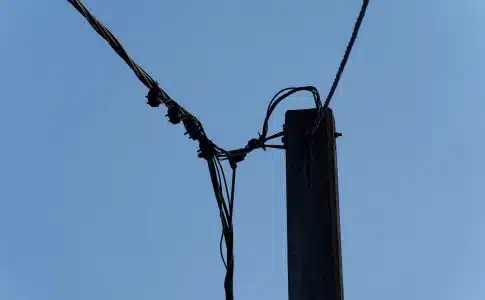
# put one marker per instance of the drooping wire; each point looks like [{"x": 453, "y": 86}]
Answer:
[
  {"x": 221, "y": 175},
  {"x": 282, "y": 95},
  {"x": 343, "y": 63},
  {"x": 228, "y": 235},
  {"x": 260, "y": 142},
  {"x": 218, "y": 178}
]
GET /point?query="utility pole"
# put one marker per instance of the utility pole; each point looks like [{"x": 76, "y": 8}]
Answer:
[{"x": 314, "y": 251}]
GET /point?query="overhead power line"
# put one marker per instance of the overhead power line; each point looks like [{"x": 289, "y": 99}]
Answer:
[
  {"x": 208, "y": 150},
  {"x": 343, "y": 62}
]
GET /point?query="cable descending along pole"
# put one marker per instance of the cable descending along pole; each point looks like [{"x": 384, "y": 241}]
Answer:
[{"x": 208, "y": 150}]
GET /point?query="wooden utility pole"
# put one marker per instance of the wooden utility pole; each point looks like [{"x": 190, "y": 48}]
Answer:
[{"x": 314, "y": 251}]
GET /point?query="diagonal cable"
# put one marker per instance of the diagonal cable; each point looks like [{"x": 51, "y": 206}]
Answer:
[
  {"x": 343, "y": 62},
  {"x": 142, "y": 75}
]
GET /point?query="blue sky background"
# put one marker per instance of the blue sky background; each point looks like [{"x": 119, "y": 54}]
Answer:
[{"x": 102, "y": 198}]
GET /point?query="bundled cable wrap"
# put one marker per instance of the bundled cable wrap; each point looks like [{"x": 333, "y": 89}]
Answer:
[{"x": 210, "y": 151}]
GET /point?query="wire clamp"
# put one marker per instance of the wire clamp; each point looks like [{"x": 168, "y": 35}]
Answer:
[
  {"x": 153, "y": 97},
  {"x": 174, "y": 114},
  {"x": 192, "y": 128}
]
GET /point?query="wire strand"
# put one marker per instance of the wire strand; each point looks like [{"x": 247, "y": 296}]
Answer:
[{"x": 343, "y": 63}]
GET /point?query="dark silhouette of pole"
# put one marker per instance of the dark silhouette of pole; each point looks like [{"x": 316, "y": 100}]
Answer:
[{"x": 314, "y": 251}]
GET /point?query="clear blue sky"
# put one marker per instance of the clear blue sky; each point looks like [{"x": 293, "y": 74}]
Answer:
[{"x": 101, "y": 198}]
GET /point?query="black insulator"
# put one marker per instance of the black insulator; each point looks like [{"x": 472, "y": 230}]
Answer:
[
  {"x": 193, "y": 129},
  {"x": 153, "y": 98},
  {"x": 173, "y": 114}
]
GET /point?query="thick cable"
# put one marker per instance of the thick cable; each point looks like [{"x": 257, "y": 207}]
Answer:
[
  {"x": 343, "y": 63},
  {"x": 142, "y": 75},
  {"x": 220, "y": 203},
  {"x": 222, "y": 177},
  {"x": 146, "y": 79}
]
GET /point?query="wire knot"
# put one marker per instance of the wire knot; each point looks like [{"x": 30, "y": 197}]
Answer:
[
  {"x": 253, "y": 144},
  {"x": 256, "y": 143}
]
